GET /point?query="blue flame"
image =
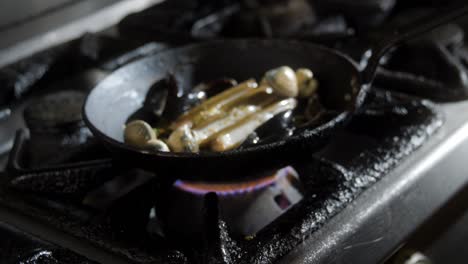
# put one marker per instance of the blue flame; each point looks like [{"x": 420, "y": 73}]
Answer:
[{"x": 225, "y": 189}]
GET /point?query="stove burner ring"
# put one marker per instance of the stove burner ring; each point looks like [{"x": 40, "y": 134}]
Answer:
[
  {"x": 246, "y": 207},
  {"x": 225, "y": 189}
]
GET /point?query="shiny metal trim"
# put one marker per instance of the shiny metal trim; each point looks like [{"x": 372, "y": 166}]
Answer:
[{"x": 103, "y": 18}]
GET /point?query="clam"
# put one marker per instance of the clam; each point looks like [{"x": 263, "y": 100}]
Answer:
[
  {"x": 137, "y": 133},
  {"x": 306, "y": 82},
  {"x": 283, "y": 80},
  {"x": 183, "y": 140},
  {"x": 156, "y": 145}
]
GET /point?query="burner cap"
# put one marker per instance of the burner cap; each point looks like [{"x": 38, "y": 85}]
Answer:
[{"x": 55, "y": 110}]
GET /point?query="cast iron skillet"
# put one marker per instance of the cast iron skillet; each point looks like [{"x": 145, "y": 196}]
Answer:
[{"x": 343, "y": 87}]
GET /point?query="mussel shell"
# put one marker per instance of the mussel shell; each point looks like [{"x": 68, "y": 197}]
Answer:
[
  {"x": 277, "y": 128},
  {"x": 309, "y": 112},
  {"x": 154, "y": 104},
  {"x": 156, "y": 97},
  {"x": 214, "y": 87},
  {"x": 251, "y": 140},
  {"x": 176, "y": 102}
]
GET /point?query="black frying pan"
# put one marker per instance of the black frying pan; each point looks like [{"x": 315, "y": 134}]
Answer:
[{"x": 343, "y": 88}]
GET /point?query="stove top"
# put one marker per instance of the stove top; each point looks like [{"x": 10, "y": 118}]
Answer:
[
  {"x": 358, "y": 198},
  {"x": 33, "y": 250},
  {"x": 391, "y": 128}
]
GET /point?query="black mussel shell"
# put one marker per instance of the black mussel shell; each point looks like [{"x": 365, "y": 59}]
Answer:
[
  {"x": 154, "y": 104},
  {"x": 278, "y": 127},
  {"x": 176, "y": 102},
  {"x": 251, "y": 140},
  {"x": 156, "y": 97},
  {"x": 215, "y": 86},
  {"x": 164, "y": 102},
  {"x": 309, "y": 112}
]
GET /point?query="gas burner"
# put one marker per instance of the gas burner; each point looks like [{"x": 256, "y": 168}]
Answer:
[{"x": 246, "y": 207}]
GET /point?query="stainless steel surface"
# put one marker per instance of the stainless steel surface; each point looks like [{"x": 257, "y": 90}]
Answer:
[
  {"x": 36, "y": 28},
  {"x": 16, "y": 12},
  {"x": 427, "y": 179}
]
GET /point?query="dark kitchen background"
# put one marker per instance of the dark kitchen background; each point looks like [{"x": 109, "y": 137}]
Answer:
[{"x": 390, "y": 187}]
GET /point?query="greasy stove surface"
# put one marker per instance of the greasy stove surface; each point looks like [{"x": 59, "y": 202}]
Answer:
[
  {"x": 390, "y": 129},
  {"x": 32, "y": 249}
]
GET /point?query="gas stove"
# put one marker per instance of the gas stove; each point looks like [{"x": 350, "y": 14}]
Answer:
[{"x": 63, "y": 199}]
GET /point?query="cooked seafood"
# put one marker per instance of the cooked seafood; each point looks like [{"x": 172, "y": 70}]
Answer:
[
  {"x": 283, "y": 80},
  {"x": 212, "y": 107},
  {"x": 224, "y": 120},
  {"x": 306, "y": 83},
  {"x": 183, "y": 140},
  {"x": 156, "y": 145},
  {"x": 206, "y": 133},
  {"x": 233, "y": 136},
  {"x": 138, "y": 132}
]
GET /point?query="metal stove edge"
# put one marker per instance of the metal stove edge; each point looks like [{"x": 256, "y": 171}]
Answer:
[{"x": 417, "y": 187}]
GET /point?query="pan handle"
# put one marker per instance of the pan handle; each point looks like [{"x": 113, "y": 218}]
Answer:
[{"x": 407, "y": 32}]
